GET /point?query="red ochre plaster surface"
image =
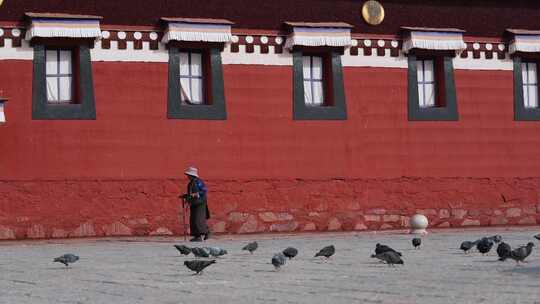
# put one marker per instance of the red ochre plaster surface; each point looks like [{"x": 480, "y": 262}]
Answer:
[{"x": 119, "y": 174}]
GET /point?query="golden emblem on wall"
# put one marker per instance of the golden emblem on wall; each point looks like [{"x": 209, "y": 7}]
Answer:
[
  {"x": 1, "y": 2},
  {"x": 373, "y": 12}
]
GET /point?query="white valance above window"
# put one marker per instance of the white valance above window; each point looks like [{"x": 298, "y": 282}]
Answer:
[
  {"x": 336, "y": 34},
  {"x": 524, "y": 41},
  {"x": 191, "y": 29},
  {"x": 433, "y": 39},
  {"x": 62, "y": 26}
]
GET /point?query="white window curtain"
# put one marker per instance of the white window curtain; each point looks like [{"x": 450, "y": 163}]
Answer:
[
  {"x": 313, "y": 80},
  {"x": 2, "y": 115},
  {"x": 59, "y": 76},
  {"x": 426, "y": 83},
  {"x": 530, "y": 84},
  {"x": 191, "y": 78}
]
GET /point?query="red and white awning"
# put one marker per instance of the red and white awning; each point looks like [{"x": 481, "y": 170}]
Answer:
[
  {"x": 191, "y": 29},
  {"x": 524, "y": 41},
  {"x": 441, "y": 39},
  {"x": 62, "y": 26},
  {"x": 335, "y": 34}
]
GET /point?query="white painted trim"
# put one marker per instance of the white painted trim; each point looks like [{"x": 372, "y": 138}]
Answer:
[
  {"x": 129, "y": 54},
  {"x": 386, "y": 61},
  {"x": 25, "y": 52},
  {"x": 256, "y": 58},
  {"x": 482, "y": 63}
]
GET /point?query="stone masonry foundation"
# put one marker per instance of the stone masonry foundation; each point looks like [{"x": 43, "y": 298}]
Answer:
[{"x": 93, "y": 208}]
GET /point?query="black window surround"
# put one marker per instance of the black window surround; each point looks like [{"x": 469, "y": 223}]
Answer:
[
  {"x": 446, "y": 106},
  {"x": 521, "y": 113},
  {"x": 335, "y": 107},
  {"x": 214, "y": 107},
  {"x": 83, "y": 107}
]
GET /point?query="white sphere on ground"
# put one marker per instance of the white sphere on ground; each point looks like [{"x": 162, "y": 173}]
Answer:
[{"x": 419, "y": 223}]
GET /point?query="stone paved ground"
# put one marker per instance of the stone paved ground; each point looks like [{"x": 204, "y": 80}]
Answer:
[{"x": 149, "y": 270}]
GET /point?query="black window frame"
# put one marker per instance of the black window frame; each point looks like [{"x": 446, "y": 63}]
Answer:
[
  {"x": 214, "y": 107},
  {"x": 83, "y": 105},
  {"x": 522, "y": 113},
  {"x": 446, "y": 108},
  {"x": 335, "y": 106}
]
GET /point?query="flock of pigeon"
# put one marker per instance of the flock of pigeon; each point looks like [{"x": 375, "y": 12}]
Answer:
[{"x": 382, "y": 252}]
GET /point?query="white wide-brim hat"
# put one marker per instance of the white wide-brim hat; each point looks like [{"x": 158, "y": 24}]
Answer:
[{"x": 192, "y": 171}]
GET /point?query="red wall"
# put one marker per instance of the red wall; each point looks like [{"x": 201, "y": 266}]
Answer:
[{"x": 119, "y": 174}]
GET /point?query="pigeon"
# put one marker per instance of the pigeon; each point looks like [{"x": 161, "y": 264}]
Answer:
[
  {"x": 251, "y": 247},
  {"x": 198, "y": 265},
  {"x": 504, "y": 250},
  {"x": 537, "y": 236},
  {"x": 327, "y": 251},
  {"x": 215, "y": 251},
  {"x": 390, "y": 257},
  {"x": 278, "y": 260},
  {"x": 521, "y": 253},
  {"x": 383, "y": 248},
  {"x": 416, "y": 242},
  {"x": 200, "y": 252},
  {"x": 467, "y": 245},
  {"x": 290, "y": 252},
  {"x": 484, "y": 246},
  {"x": 495, "y": 239},
  {"x": 185, "y": 250},
  {"x": 67, "y": 259}
]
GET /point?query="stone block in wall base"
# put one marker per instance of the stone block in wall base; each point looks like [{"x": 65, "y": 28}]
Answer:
[
  {"x": 268, "y": 217},
  {"x": 405, "y": 221},
  {"x": 36, "y": 232},
  {"x": 498, "y": 220},
  {"x": 117, "y": 229},
  {"x": 334, "y": 224},
  {"x": 372, "y": 218},
  {"x": 161, "y": 231},
  {"x": 138, "y": 222},
  {"x": 529, "y": 220},
  {"x": 309, "y": 227},
  {"x": 469, "y": 222},
  {"x": 360, "y": 226},
  {"x": 529, "y": 210},
  {"x": 250, "y": 226},
  {"x": 59, "y": 233},
  {"x": 386, "y": 226},
  {"x": 84, "y": 230},
  {"x": 459, "y": 213},
  {"x": 6, "y": 233},
  {"x": 427, "y": 212},
  {"x": 237, "y": 217},
  {"x": 444, "y": 213},
  {"x": 513, "y": 212},
  {"x": 284, "y": 227},
  {"x": 444, "y": 225},
  {"x": 391, "y": 218},
  {"x": 219, "y": 227}
]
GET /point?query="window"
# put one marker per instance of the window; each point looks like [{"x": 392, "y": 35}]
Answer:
[
  {"x": 426, "y": 83},
  {"x": 196, "y": 89},
  {"x": 431, "y": 92},
  {"x": 191, "y": 78},
  {"x": 318, "y": 91},
  {"x": 313, "y": 80},
  {"x": 526, "y": 105},
  {"x": 530, "y": 85},
  {"x": 62, "y": 79},
  {"x": 59, "y": 75}
]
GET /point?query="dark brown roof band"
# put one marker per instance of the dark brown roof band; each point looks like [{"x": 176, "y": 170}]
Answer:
[
  {"x": 63, "y": 16},
  {"x": 318, "y": 24},
  {"x": 198, "y": 20},
  {"x": 523, "y": 32},
  {"x": 431, "y": 29}
]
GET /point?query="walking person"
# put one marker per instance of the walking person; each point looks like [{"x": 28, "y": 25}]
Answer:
[{"x": 199, "y": 213}]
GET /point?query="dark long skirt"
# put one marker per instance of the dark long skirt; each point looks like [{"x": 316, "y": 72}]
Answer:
[{"x": 197, "y": 219}]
